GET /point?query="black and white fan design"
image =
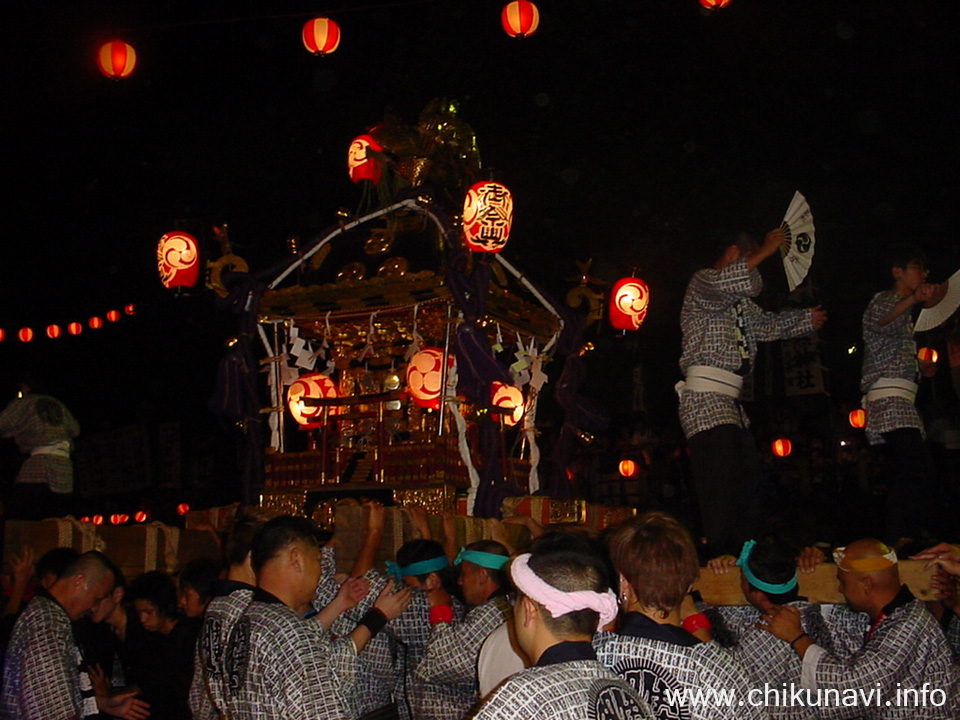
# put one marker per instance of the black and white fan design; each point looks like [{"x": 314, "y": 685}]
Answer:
[{"x": 798, "y": 250}]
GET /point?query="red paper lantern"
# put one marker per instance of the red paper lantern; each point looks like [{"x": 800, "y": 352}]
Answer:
[
  {"x": 628, "y": 303},
  {"x": 425, "y": 377},
  {"x": 520, "y": 18},
  {"x": 2, "y": 334},
  {"x": 115, "y": 519},
  {"x": 140, "y": 516},
  {"x": 53, "y": 331},
  {"x": 113, "y": 315},
  {"x": 116, "y": 59},
  {"x": 714, "y": 4},
  {"x": 97, "y": 519},
  {"x": 927, "y": 354},
  {"x": 74, "y": 328},
  {"x": 628, "y": 468},
  {"x": 487, "y": 217},
  {"x": 183, "y": 509},
  {"x": 858, "y": 418},
  {"x": 130, "y": 309},
  {"x": 510, "y": 398},
  {"x": 361, "y": 163},
  {"x": 178, "y": 260},
  {"x": 321, "y": 36},
  {"x": 95, "y": 323},
  {"x": 782, "y": 447},
  {"x": 85, "y": 518},
  {"x": 316, "y": 386},
  {"x": 25, "y": 334}
]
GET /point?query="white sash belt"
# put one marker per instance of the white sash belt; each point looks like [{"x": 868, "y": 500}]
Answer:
[
  {"x": 60, "y": 448},
  {"x": 704, "y": 378},
  {"x": 892, "y": 387}
]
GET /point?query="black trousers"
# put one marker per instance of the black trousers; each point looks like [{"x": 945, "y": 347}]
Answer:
[
  {"x": 911, "y": 493},
  {"x": 726, "y": 477}
]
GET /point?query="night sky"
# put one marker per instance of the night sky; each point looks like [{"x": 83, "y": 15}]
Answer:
[{"x": 634, "y": 133}]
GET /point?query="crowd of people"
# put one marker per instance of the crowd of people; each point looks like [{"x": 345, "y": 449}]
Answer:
[{"x": 571, "y": 626}]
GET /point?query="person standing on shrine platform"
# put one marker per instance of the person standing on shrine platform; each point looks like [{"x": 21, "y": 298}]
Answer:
[
  {"x": 891, "y": 372},
  {"x": 44, "y": 430},
  {"x": 721, "y": 328}
]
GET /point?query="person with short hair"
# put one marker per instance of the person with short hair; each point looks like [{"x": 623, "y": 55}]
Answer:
[
  {"x": 282, "y": 665},
  {"x": 721, "y": 328},
  {"x": 444, "y": 684},
  {"x": 562, "y": 597},
  {"x": 768, "y": 577},
  {"x": 885, "y": 642},
  {"x": 653, "y": 649},
  {"x": 889, "y": 380},
  {"x": 42, "y": 678},
  {"x": 195, "y": 585}
]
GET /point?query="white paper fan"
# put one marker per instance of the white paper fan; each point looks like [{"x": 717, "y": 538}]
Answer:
[
  {"x": 931, "y": 317},
  {"x": 798, "y": 250}
]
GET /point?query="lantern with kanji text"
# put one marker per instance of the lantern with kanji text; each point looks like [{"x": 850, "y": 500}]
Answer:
[
  {"x": 781, "y": 447},
  {"x": 628, "y": 303},
  {"x": 313, "y": 386},
  {"x": 321, "y": 36},
  {"x": 487, "y": 217},
  {"x": 178, "y": 260},
  {"x": 510, "y": 398},
  {"x": 116, "y": 59},
  {"x": 520, "y": 18},
  {"x": 363, "y": 161}
]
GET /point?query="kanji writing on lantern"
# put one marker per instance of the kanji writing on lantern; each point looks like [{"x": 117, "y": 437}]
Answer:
[{"x": 487, "y": 217}]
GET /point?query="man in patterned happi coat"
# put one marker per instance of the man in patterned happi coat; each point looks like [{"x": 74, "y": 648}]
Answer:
[
  {"x": 889, "y": 654},
  {"x": 444, "y": 685},
  {"x": 721, "y": 327},
  {"x": 563, "y": 595}
]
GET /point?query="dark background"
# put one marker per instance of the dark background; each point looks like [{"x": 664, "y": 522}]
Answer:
[{"x": 633, "y": 133}]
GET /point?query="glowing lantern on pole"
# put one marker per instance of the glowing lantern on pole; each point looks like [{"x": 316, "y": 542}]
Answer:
[
  {"x": 95, "y": 322},
  {"x": 487, "y": 217},
  {"x": 927, "y": 354},
  {"x": 53, "y": 331},
  {"x": 510, "y": 398},
  {"x": 858, "y": 418},
  {"x": 628, "y": 303},
  {"x": 315, "y": 386},
  {"x": 178, "y": 260},
  {"x": 74, "y": 328},
  {"x": 520, "y": 18},
  {"x": 361, "y": 163},
  {"x": 116, "y": 59},
  {"x": 714, "y": 4},
  {"x": 25, "y": 334},
  {"x": 321, "y": 36},
  {"x": 782, "y": 447},
  {"x": 425, "y": 377},
  {"x": 628, "y": 468},
  {"x": 113, "y": 315}
]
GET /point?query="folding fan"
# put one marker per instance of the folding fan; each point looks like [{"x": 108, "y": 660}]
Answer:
[
  {"x": 931, "y": 317},
  {"x": 798, "y": 250}
]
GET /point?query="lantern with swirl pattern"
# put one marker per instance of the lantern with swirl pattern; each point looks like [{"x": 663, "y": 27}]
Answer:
[
  {"x": 628, "y": 303},
  {"x": 178, "y": 260}
]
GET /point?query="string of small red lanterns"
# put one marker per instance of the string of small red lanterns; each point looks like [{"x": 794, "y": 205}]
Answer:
[
  {"x": 117, "y": 59},
  {"x": 54, "y": 331}
]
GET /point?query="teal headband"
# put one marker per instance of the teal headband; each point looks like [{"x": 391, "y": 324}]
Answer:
[
  {"x": 757, "y": 582},
  {"x": 491, "y": 561},
  {"x": 424, "y": 567}
]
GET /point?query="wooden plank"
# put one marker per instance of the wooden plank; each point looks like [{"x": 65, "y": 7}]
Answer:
[{"x": 819, "y": 586}]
